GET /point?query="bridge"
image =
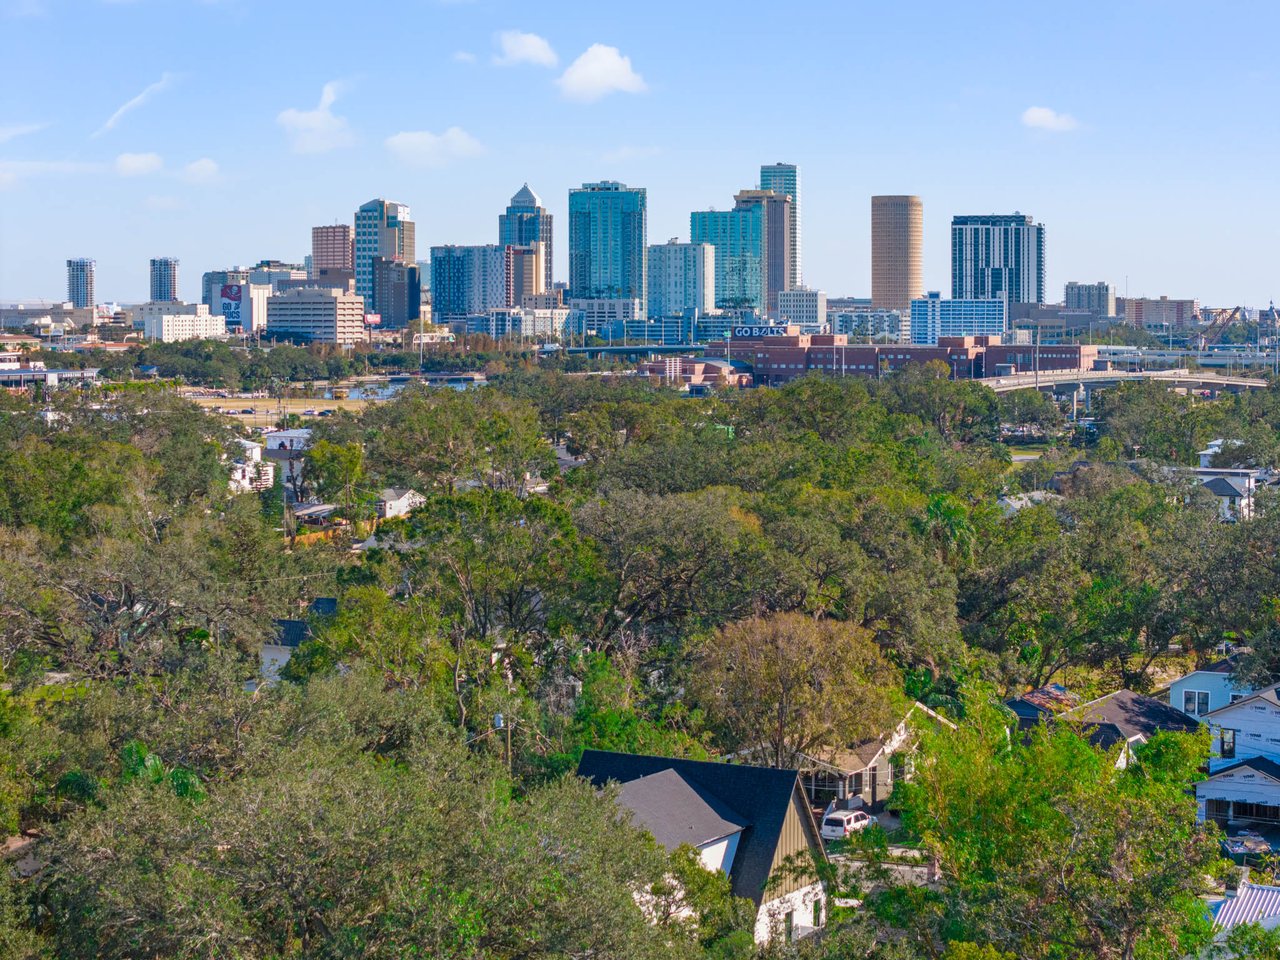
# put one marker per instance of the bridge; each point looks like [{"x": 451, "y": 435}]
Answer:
[{"x": 1091, "y": 379}]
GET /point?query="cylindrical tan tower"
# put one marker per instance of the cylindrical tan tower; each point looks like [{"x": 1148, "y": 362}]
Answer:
[{"x": 897, "y": 256}]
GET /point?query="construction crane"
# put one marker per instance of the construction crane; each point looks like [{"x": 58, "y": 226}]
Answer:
[{"x": 1219, "y": 324}]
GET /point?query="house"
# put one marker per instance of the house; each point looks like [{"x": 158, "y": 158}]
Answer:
[
  {"x": 1214, "y": 448},
  {"x": 249, "y": 471},
  {"x": 1036, "y": 706},
  {"x": 1128, "y": 718},
  {"x": 1208, "y": 688},
  {"x": 290, "y": 635},
  {"x": 398, "y": 502},
  {"x": 1244, "y": 765},
  {"x": 863, "y": 773},
  {"x": 1235, "y": 496},
  {"x": 294, "y": 441},
  {"x": 1252, "y": 903},
  {"x": 743, "y": 820}
]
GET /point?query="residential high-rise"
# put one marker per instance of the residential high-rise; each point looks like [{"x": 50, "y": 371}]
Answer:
[
  {"x": 397, "y": 289},
  {"x": 1096, "y": 298},
  {"x": 784, "y": 178},
  {"x": 528, "y": 221},
  {"x": 753, "y": 248},
  {"x": 383, "y": 229},
  {"x": 997, "y": 257},
  {"x": 525, "y": 269},
  {"x": 467, "y": 281},
  {"x": 80, "y": 283},
  {"x": 897, "y": 252},
  {"x": 164, "y": 279},
  {"x": 332, "y": 248},
  {"x": 682, "y": 278},
  {"x": 932, "y": 317},
  {"x": 608, "y": 242}
]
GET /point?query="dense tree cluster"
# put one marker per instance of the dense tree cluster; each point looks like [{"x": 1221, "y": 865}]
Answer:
[{"x": 606, "y": 564}]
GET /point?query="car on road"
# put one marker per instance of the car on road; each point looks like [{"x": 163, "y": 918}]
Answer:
[
  {"x": 248, "y": 411},
  {"x": 309, "y": 413},
  {"x": 838, "y": 824}
]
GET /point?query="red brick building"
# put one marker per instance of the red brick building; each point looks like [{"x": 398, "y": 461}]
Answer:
[{"x": 778, "y": 354}]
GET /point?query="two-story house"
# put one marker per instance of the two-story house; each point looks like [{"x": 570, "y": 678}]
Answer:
[
  {"x": 1244, "y": 768},
  {"x": 1208, "y": 688}
]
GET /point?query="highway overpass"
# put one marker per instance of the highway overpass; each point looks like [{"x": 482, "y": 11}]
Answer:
[{"x": 1092, "y": 379}]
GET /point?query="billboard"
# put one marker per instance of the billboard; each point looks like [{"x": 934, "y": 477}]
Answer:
[
  {"x": 232, "y": 304},
  {"x": 372, "y": 319},
  {"x": 755, "y": 333}
]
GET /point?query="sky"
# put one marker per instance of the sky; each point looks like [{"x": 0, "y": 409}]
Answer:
[{"x": 1142, "y": 133}]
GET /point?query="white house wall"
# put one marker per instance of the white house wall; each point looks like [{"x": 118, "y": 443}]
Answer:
[
  {"x": 718, "y": 854},
  {"x": 1257, "y": 726},
  {"x": 771, "y": 917},
  {"x": 1240, "y": 786}
]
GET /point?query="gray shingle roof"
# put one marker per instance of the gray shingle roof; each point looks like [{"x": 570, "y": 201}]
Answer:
[
  {"x": 1133, "y": 715},
  {"x": 675, "y": 811},
  {"x": 759, "y": 796}
]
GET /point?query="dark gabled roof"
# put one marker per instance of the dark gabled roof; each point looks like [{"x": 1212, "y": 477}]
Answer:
[
  {"x": 1260, "y": 764},
  {"x": 1132, "y": 715},
  {"x": 676, "y": 811},
  {"x": 759, "y": 796},
  {"x": 324, "y": 606},
  {"x": 1224, "y": 487},
  {"x": 292, "y": 633}
]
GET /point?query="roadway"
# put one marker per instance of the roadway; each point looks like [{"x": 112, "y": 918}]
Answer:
[{"x": 1048, "y": 379}]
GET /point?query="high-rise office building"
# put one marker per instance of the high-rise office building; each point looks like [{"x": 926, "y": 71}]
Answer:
[
  {"x": 997, "y": 257},
  {"x": 608, "y": 242},
  {"x": 682, "y": 279},
  {"x": 164, "y": 279},
  {"x": 467, "y": 281},
  {"x": 397, "y": 289},
  {"x": 897, "y": 252},
  {"x": 784, "y": 178},
  {"x": 528, "y": 221},
  {"x": 1096, "y": 298},
  {"x": 805, "y": 307},
  {"x": 384, "y": 229},
  {"x": 332, "y": 248},
  {"x": 753, "y": 248},
  {"x": 316, "y": 315},
  {"x": 80, "y": 290}
]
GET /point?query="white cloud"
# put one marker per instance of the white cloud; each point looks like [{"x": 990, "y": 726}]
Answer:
[
  {"x": 13, "y": 131},
  {"x": 318, "y": 130},
  {"x": 163, "y": 83},
  {"x": 518, "y": 47},
  {"x": 1043, "y": 118},
  {"x": 600, "y": 71},
  {"x": 203, "y": 170},
  {"x": 138, "y": 164},
  {"x": 464, "y": 56},
  {"x": 425, "y": 149}
]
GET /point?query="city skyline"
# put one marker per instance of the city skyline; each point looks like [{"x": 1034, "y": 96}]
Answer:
[{"x": 1087, "y": 138}]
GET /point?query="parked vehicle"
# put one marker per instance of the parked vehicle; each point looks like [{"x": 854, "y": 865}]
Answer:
[{"x": 838, "y": 824}]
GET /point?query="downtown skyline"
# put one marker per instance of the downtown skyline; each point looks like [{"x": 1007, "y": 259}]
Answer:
[{"x": 233, "y": 160}]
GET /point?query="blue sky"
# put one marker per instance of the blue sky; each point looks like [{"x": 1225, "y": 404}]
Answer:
[{"x": 220, "y": 131}]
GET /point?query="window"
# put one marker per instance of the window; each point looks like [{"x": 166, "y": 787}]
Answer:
[
  {"x": 1228, "y": 749},
  {"x": 1195, "y": 702},
  {"x": 1237, "y": 697}
]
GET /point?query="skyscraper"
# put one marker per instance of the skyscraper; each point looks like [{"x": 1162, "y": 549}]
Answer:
[
  {"x": 608, "y": 243},
  {"x": 997, "y": 257},
  {"x": 528, "y": 221},
  {"x": 80, "y": 283},
  {"x": 897, "y": 252},
  {"x": 682, "y": 278},
  {"x": 526, "y": 273},
  {"x": 331, "y": 248},
  {"x": 784, "y": 178},
  {"x": 164, "y": 279},
  {"x": 383, "y": 229},
  {"x": 1096, "y": 298},
  {"x": 753, "y": 248},
  {"x": 397, "y": 288},
  {"x": 467, "y": 281}
]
